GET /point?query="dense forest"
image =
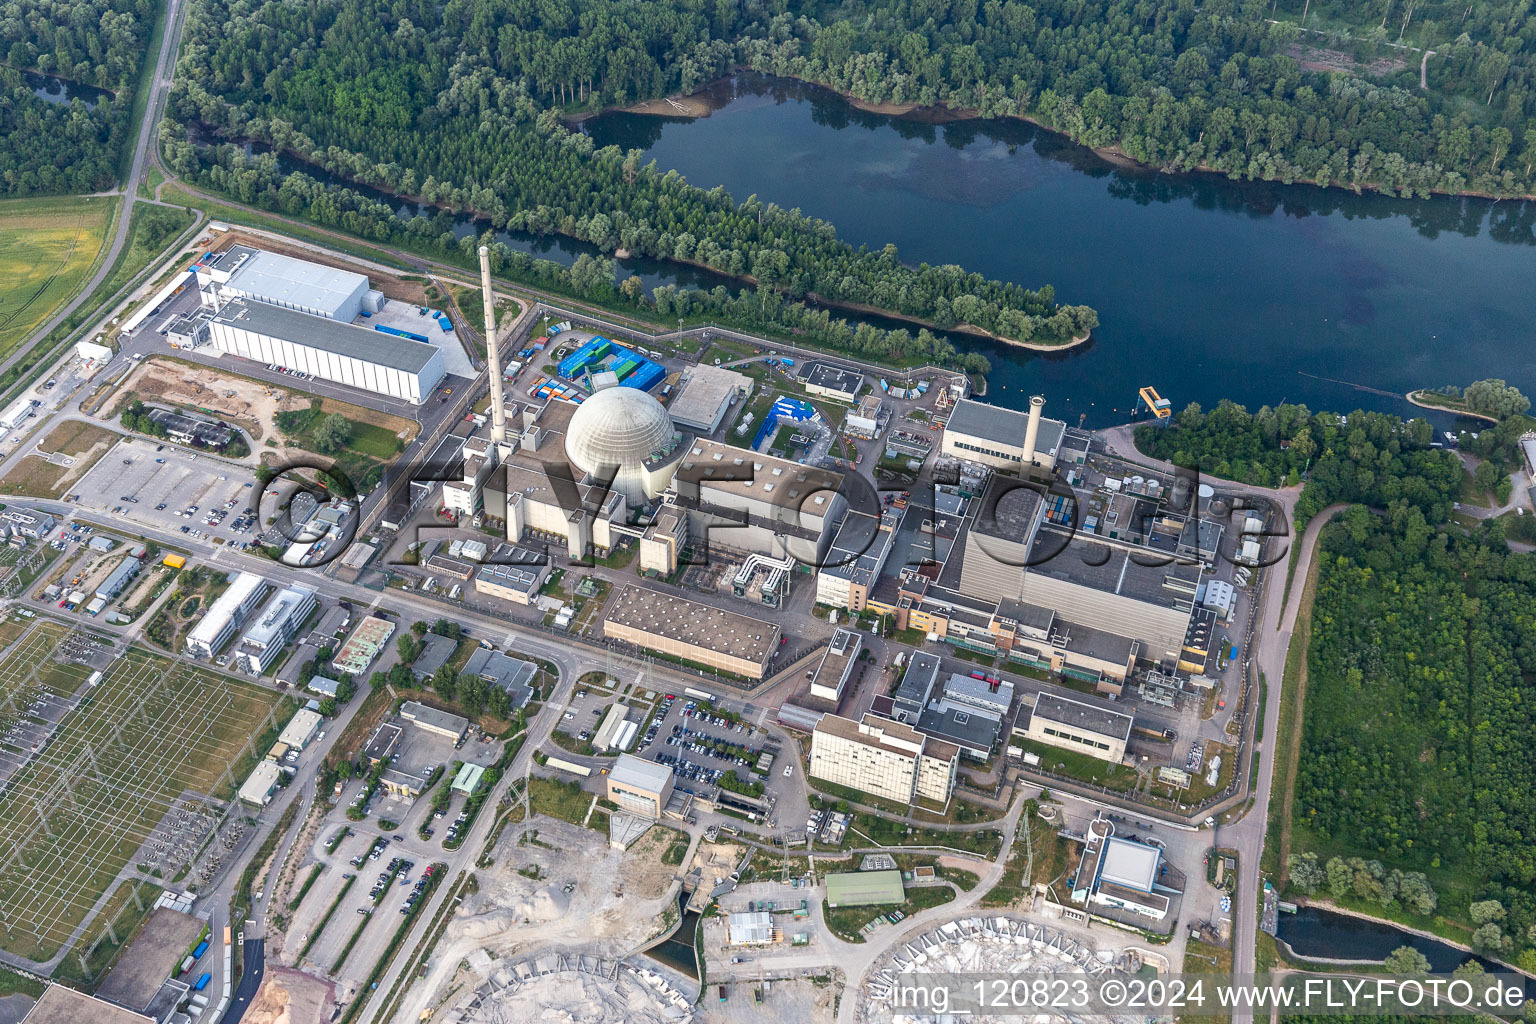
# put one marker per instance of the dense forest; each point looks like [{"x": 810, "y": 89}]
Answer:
[
  {"x": 400, "y": 96},
  {"x": 1419, "y": 713},
  {"x": 68, "y": 147},
  {"x": 1420, "y": 716}
]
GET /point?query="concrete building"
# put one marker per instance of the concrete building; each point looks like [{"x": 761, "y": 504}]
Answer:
[
  {"x": 857, "y": 556},
  {"x": 706, "y": 395},
  {"x": 831, "y": 673},
  {"x": 364, "y": 645},
  {"x": 62, "y": 1005},
  {"x": 883, "y": 757},
  {"x": 436, "y": 651},
  {"x": 662, "y": 543},
  {"x": 1076, "y": 725},
  {"x": 865, "y": 888},
  {"x": 625, "y": 436},
  {"x": 742, "y": 501},
  {"x": 698, "y": 633},
  {"x": 830, "y": 381},
  {"x": 608, "y": 727},
  {"x": 277, "y": 624},
  {"x": 515, "y": 574},
  {"x": 243, "y": 272},
  {"x": 1003, "y": 439},
  {"x": 468, "y": 778},
  {"x": 1119, "y": 873},
  {"x": 257, "y": 789},
  {"x": 439, "y": 723},
  {"x": 325, "y": 686},
  {"x": 26, "y": 522},
  {"x": 301, "y": 728},
  {"x": 332, "y": 350},
  {"x": 640, "y": 786}
]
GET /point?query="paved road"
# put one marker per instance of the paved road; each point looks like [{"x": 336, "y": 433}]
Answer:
[
  {"x": 165, "y": 66},
  {"x": 253, "y": 957}
]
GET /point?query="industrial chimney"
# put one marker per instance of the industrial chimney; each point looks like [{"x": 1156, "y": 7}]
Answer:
[
  {"x": 493, "y": 355},
  {"x": 1032, "y": 432}
]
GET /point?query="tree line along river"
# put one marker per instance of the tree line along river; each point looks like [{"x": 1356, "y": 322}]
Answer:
[{"x": 1206, "y": 288}]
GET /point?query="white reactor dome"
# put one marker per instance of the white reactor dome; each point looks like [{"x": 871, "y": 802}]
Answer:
[{"x": 621, "y": 427}]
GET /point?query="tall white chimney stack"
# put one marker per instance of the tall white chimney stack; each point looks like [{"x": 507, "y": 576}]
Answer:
[
  {"x": 1032, "y": 432},
  {"x": 493, "y": 355}
]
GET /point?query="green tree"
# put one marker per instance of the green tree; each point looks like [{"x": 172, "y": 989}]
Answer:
[{"x": 333, "y": 434}]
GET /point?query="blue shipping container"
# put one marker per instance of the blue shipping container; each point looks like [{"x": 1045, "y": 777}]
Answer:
[
  {"x": 202, "y": 947},
  {"x": 202, "y": 982}
]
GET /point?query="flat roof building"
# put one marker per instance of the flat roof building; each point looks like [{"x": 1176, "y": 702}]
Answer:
[
  {"x": 1000, "y": 438},
  {"x": 836, "y": 664},
  {"x": 468, "y": 778},
  {"x": 27, "y": 522},
  {"x": 1119, "y": 873},
  {"x": 113, "y": 585},
  {"x": 754, "y": 928},
  {"x": 440, "y": 723},
  {"x": 436, "y": 651},
  {"x": 325, "y": 686},
  {"x": 332, "y": 350},
  {"x": 364, "y": 645},
  {"x": 640, "y": 786},
  {"x": 300, "y": 729},
  {"x": 277, "y": 624},
  {"x": 699, "y": 633},
  {"x": 384, "y": 742},
  {"x": 832, "y": 381},
  {"x": 865, "y": 888},
  {"x": 242, "y": 271},
  {"x": 1076, "y": 725},
  {"x": 705, "y": 397},
  {"x": 62, "y": 1005},
  {"x": 883, "y": 757},
  {"x": 258, "y": 786},
  {"x": 513, "y": 675},
  {"x": 515, "y": 575}
]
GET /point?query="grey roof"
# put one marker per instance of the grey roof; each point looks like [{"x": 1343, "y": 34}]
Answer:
[
  {"x": 1111, "y": 568},
  {"x": 433, "y": 718},
  {"x": 964, "y": 725},
  {"x": 273, "y": 276},
  {"x": 917, "y": 683},
  {"x": 640, "y": 773},
  {"x": 277, "y": 614},
  {"x": 1008, "y": 509},
  {"x": 860, "y": 547},
  {"x": 1005, "y": 426},
  {"x": 706, "y": 391},
  {"x": 435, "y": 652},
  {"x": 318, "y": 332},
  {"x": 1081, "y": 715},
  {"x": 511, "y": 674},
  {"x": 961, "y": 689}
]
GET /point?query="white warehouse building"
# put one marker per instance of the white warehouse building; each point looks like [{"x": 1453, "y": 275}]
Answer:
[
  {"x": 241, "y": 272},
  {"x": 329, "y": 349}
]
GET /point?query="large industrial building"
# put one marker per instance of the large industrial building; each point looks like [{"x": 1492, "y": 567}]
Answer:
[
  {"x": 366, "y": 643},
  {"x": 274, "y": 628},
  {"x": 226, "y": 615},
  {"x": 961, "y": 710},
  {"x": 697, "y": 633},
  {"x": 883, "y": 757},
  {"x": 242, "y": 272},
  {"x": 1122, "y": 874},
  {"x": 1076, "y": 725},
  {"x": 1003, "y": 439},
  {"x": 329, "y": 349},
  {"x": 640, "y": 786},
  {"x": 313, "y": 319}
]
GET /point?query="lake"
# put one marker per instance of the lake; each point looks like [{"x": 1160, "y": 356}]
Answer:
[{"x": 1206, "y": 288}]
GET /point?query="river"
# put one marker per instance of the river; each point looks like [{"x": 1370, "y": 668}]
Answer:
[{"x": 1206, "y": 288}]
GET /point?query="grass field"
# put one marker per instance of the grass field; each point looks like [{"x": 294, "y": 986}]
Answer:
[
  {"x": 75, "y": 814},
  {"x": 35, "y": 477},
  {"x": 47, "y": 248}
]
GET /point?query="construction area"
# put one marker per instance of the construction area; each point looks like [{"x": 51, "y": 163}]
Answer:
[
  {"x": 544, "y": 875},
  {"x": 557, "y": 989},
  {"x": 114, "y": 774}
]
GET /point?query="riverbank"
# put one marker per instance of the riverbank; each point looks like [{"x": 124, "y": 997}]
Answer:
[
  {"x": 1334, "y": 908},
  {"x": 1426, "y": 399},
  {"x": 671, "y": 106}
]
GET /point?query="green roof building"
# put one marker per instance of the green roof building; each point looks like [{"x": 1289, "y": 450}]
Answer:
[{"x": 864, "y": 888}]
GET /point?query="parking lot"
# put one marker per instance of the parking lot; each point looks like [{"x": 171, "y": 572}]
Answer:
[
  {"x": 371, "y": 902},
  {"x": 172, "y": 490},
  {"x": 702, "y": 743}
]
